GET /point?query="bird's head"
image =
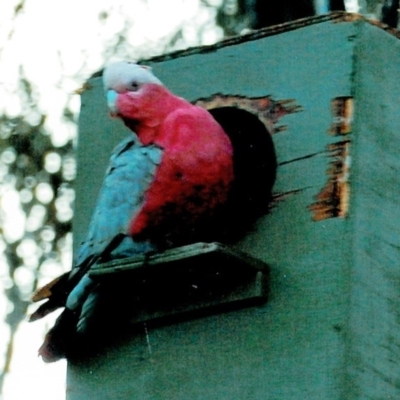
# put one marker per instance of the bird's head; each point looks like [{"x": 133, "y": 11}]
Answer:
[{"x": 129, "y": 89}]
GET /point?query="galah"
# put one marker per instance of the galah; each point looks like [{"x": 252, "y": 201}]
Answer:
[{"x": 170, "y": 177}]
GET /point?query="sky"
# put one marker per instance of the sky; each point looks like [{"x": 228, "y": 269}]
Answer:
[{"x": 57, "y": 46}]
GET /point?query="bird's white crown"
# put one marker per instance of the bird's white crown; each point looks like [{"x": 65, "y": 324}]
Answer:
[{"x": 122, "y": 75}]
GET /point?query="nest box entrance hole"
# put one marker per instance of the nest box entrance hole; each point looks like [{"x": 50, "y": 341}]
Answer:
[{"x": 254, "y": 167}]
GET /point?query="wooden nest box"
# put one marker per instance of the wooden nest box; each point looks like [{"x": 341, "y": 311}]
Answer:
[{"x": 327, "y": 91}]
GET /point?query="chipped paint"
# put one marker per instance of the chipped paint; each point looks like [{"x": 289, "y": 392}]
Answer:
[
  {"x": 343, "y": 112},
  {"x": 267, "y": 110},
  {"x": 333, "y": 199}
]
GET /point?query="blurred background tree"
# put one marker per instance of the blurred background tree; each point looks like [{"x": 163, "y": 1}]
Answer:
[{"x": 47, "y": 50}]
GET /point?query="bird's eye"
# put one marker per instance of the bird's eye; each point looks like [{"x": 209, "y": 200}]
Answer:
[{"x": 134, "y": 86}]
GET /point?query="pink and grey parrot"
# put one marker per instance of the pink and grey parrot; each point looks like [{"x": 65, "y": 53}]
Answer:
[{"x": 169, "y": 178}]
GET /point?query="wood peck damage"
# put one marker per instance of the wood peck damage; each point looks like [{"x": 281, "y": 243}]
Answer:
[
  {"x": 268, "y": 111},
  {"x": 333, "y": 199}
]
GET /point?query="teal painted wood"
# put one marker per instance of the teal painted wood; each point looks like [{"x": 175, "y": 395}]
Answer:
[
  {"x": 330, "y": 328},
  {"x": 374, "y": 317}
]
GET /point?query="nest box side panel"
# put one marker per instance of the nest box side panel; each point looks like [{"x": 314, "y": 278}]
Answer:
[{"x": 374, "y": 331}]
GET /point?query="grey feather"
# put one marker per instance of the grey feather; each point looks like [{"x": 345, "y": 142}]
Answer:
[{"x": 131, "y": 170}]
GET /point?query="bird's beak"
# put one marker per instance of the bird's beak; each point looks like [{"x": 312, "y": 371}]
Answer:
[{"x": 112, "y": 102}]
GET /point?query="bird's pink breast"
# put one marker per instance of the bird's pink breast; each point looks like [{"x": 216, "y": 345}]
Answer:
[
  {"x": 195, "y": 174},
  {"x": 193, "y": 178}
]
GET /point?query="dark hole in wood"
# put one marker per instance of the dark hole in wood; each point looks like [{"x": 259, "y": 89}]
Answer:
[{"x": 255, "y": 169}]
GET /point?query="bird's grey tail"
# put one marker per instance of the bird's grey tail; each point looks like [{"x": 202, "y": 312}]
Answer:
[{"x": 60, "y": 340}]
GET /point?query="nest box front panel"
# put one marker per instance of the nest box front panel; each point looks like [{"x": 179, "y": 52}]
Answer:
[{"x": 298, "y": 84}]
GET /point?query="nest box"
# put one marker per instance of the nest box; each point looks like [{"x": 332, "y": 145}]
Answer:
[{"x": 326, "y": 90}]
